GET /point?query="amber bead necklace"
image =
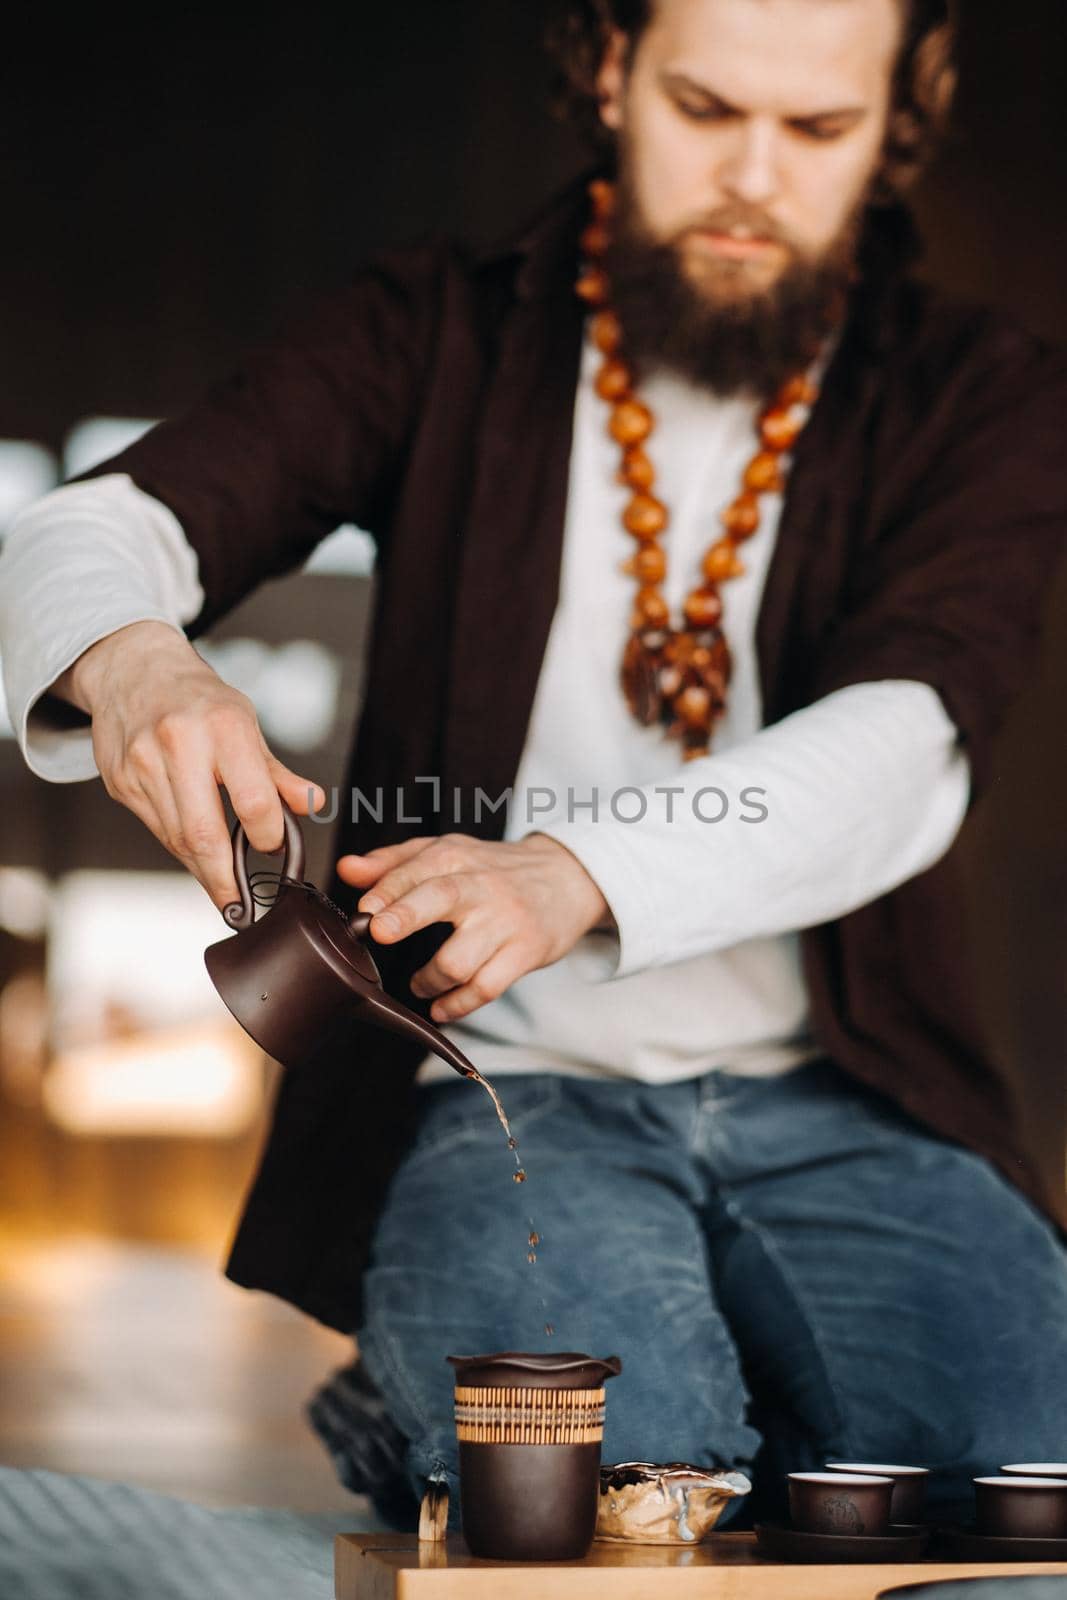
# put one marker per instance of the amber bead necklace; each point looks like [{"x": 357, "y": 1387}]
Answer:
[{"x": 676, "y": 676}]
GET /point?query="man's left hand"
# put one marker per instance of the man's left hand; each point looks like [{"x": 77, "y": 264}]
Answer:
[{"x": 515, "y": 907}]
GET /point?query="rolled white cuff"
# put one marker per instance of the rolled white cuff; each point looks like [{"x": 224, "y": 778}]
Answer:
[{"x": 81, "y": 562}]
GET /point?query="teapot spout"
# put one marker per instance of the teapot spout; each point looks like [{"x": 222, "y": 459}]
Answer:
[
  {"x": 390, "y": 1013},
  {"x": 436, "y": 1041}
]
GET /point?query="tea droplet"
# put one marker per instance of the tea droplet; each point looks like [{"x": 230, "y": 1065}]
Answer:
[
  {"x": 549, "y": 1329},
  {"x": 532, "y": 1257},
  {"x": 512, "y": 1143},
  {"x": 534, "y": 1240},
  {"x": 520, "y": 1176}
]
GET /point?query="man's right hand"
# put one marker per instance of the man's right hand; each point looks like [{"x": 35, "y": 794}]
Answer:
[{"x": 167, "y": 731}]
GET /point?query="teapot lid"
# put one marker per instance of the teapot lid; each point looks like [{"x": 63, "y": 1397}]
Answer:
[{"x": 320, "y": 916}]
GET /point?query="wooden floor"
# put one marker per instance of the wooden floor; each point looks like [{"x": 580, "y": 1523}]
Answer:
[
  {"x": 141, "y": 1363},
  {"x": 124, "y": 1352}
]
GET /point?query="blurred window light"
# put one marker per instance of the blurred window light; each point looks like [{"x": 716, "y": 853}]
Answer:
[
  {"x": 298, "y": 694},
  {"x": 95, "y": 439},
  {"x": 295, "y": 687},
  {"x": 141, "y": 1041},
  {"x": 23, "y": 1038},
  {"x": 200, "y": 1081},
  {"x": 348, "y": 550},
  {"x": 129, "y": 945},
  {"x": 240, "y": 661},
  {"x": 27, "y": 471},
  {"x": 24, "y": 901}
]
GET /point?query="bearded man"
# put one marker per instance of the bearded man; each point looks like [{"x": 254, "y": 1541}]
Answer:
[{"x": 718, "y": 545}]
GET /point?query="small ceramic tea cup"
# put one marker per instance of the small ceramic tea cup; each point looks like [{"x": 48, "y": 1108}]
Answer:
[
  {"x": 840, "y": 1502},
  {"x": 1018, "y": 1507},
  {"x": 909, "y": 1486},
  {"x": 1036, "y": 1469}
]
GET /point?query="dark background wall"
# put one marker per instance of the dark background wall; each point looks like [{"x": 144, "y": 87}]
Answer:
[{"x": 173, "y": 181}]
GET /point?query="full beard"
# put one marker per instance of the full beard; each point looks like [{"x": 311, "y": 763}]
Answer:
[{"x": 721, "y": 336}]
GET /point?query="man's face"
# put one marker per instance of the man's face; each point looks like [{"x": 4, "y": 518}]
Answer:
[{"x": 749, "y": 132}]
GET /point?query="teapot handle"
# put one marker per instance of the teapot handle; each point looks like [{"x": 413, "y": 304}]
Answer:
[{"x": 240, "y": 914}]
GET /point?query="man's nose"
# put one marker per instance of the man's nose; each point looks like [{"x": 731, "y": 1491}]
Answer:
[{"x": 750, "y": 171}]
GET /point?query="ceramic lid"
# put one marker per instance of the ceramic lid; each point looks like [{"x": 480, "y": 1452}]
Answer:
[
  {"x": 567, "y": 1369},
  {"x": 321, "y": 916}
]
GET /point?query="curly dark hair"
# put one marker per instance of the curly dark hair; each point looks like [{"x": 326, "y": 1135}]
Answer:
[{"x": 924, "y": 82}]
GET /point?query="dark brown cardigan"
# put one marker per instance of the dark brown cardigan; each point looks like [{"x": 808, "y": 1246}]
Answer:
[{"x": 431, "y": 401}]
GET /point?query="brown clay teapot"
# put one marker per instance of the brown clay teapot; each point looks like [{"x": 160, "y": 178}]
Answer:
[{"x": 295, "y": 975}]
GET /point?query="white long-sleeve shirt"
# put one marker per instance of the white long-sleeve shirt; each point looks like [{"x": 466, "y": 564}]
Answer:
[{"x": 824, "y": 811}]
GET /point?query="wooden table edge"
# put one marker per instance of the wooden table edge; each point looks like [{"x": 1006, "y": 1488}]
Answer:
[{"x": 384, "y": 1566}]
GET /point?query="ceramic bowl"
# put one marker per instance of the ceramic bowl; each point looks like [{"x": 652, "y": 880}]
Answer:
[{"x": 645, "y": 1502}]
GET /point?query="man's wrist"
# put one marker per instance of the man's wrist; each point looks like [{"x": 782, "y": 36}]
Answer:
[
  {"x": 79, "y": 685},
  {"x": 599, "y": 909}
]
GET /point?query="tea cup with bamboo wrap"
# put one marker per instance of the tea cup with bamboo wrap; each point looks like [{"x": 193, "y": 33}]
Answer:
[{"x": 530, "y": 1428}]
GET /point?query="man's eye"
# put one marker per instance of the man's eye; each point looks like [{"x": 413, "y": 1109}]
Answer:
[
  {"x": 702, "y": 112},
  {"x": 820, "y": 132}
]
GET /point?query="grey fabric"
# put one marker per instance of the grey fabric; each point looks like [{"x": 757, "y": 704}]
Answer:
[{"x": 64, "y": 1536}]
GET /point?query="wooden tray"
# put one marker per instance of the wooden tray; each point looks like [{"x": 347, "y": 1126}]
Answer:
[{"x": 725, "y": 1566}]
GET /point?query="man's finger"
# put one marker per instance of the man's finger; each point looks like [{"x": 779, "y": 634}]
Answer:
[
  {"x": 457, "y": 960},
  {"x": 243, "y": 769},
  {"x": 145, "y": 807},
  {"x": 488, "y": 983},
  {"x": 383, "y": 858},
  {"x": 302, "y": 795},
  {"x": 157, "y": 811},
  {"x": 158, "y": 808},
  {"x": 202, "y": 823},
  {"x": 439, "y": 898},
  {"x": 407, "y": 874}
]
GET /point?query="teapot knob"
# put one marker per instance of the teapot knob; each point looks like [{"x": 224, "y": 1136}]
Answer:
[
  {"x": 241, "y": 913},
  {"x": 358, "y": 923}
]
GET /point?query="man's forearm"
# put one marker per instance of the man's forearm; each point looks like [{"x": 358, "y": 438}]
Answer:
[{"x": 83, "y": 563}]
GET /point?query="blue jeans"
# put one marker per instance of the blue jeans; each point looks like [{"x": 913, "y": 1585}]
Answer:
[{"x": 791, "y": 1269}]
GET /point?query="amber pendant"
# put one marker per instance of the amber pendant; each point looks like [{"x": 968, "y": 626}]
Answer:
[
  {"x": 640, "y": 674},
  {"x": 677, "y": 677}
]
